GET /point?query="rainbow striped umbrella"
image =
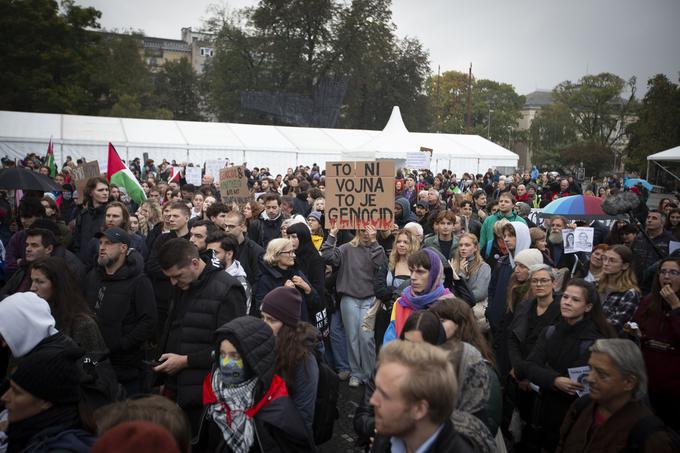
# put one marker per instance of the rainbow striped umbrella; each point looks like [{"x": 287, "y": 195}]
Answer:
[{"x": 576, "y": 207}]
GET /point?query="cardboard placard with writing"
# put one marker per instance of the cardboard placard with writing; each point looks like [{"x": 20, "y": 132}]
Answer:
[
  {"x": 193, "y": 175},
  {"x": 234, "y": 185},
  {"x": 360, "y": 194},
  {"x": 81, "y": 174}
]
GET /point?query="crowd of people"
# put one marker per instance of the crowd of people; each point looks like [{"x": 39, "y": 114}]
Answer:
[{"x": 191, "y": 323}]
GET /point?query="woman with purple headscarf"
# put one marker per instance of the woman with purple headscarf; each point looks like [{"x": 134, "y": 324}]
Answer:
[{"x": 427, "y": 287}]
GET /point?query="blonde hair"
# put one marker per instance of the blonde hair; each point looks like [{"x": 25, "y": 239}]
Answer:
[
  {"x": 431, "y": 376},
  {"x": 498, "y": 227},
  {"x": 274, "y": 248},
  {"x": 476, "y": 263},
  {"x": 412, "y": 248}
]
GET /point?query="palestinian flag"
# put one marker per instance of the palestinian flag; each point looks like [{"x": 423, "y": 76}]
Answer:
[
  {"x": 49, "y": 160},
  {"x": 175, "y": 174},
  {"x": 118, "y": 174}
]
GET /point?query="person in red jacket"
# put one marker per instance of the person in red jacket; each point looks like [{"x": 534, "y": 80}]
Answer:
[{"x": 658, "y": 318}]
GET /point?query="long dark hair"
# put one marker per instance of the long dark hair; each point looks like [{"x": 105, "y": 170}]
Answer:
[
  {"x": 595, "y": 314},
  {"x": 293, "y": 345},
  {"x": 657, "y": 304},
  {"x": 468, "y": 331},
  {"x": 90, "y": 185},
  {"x": 67, "y": 303},
  {"x": 428, "y": 324}
]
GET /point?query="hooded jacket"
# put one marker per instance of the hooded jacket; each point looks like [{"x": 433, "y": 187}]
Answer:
[
  {"x": 25, "y": 321},
  {"x": 278, "y": 425},
  {"x": 210, "y": 301},
  {"x": 486, "y": 234},
  {"x": 406, "y": 214},
  {"x": 309, "y": 261},
  {"x": 501, "y": 275},
  {"x": 125, "y": 308}
]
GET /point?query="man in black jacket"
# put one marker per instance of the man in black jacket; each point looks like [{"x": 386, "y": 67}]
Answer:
[
  {"x": 268, "y": 226},
  {"x": 122, "y": 299},
  {"x": 204, "y": 298},
  {"x": 177, "y": 216},
  {"x": 249, "y": 253},
  {"x": 41, "y": 243}
]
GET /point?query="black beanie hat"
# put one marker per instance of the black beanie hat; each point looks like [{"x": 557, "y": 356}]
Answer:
[
  {"x": 51, "y": 374},
  {"x": 283, "y": 304}
]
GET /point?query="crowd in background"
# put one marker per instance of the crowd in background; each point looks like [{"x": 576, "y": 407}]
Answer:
[{"x": 191, "y": 323}]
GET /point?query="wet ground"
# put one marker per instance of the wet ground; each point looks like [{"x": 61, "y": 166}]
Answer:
[{"x": 343, "y": 432}]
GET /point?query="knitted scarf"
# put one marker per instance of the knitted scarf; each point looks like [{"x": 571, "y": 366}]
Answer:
[{"x": 229, "y": 413}]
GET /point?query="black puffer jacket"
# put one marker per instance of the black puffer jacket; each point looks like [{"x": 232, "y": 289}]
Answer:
[
  {"x": 250, "y": 255},
  {"x": 273, "y": 277},
  {"x": 278, "y": 425},
  {"x": 210, "y": 302},
  {"x": 264, "y": 229},
  {"x": 125, "y": 309},
  {"x": 88, "y": 222}
]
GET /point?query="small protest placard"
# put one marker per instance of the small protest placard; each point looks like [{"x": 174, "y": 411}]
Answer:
[
  {"x": 418, "y": 160},
  {"x": 579, "y": 375},
  {"x": 81, "y": 174},
  {"x": 213, "y": 167},
  {"x": 193, "y": 175},
  {"x": 579, "y": 239},
  {"x": 234, "y": 185},
  {"x": 360, "y": 194}
]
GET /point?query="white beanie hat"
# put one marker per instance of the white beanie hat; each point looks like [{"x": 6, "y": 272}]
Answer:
[{"x": 529, "y": 257}]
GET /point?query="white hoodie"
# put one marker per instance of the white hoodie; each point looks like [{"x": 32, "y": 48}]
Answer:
[
  {"x": 25, "y": 321},
  {"x": 237, "y": 271}
]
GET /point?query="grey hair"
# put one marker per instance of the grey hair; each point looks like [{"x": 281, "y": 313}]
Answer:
[
  {"x": 627, "y": 357},
  {"x": 542, "y": 267}
]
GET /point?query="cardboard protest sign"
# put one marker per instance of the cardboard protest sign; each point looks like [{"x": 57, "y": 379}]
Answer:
[
  {"x": 579, "y": 239},
  {"x": 234, "y": 185},
  {"x": 360, "y": 194},
  {"x": 193, "y": 175},
  {"x": 81, "y": 174}
]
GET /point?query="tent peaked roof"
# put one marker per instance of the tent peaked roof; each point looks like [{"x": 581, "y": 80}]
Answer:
[
  {"x": 395, "y": 125},
  {"x": 669, "y": 154}
]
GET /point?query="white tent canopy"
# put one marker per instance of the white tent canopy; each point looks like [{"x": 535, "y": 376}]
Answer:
[
  {"x": 276, "y": 147},
  {"x": 672, "y": 154}
]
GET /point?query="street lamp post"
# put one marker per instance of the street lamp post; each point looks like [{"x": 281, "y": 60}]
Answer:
[{"x": 488, "y": 125}]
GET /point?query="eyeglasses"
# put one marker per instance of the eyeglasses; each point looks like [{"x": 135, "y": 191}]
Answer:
[
  {"x": 287, "y": 252},
  {"x": 542, "y": 281},
  {"x": 671, "y": 272}
]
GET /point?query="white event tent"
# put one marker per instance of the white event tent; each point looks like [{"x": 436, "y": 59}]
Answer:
[
  {"x": 670, "y": 155},
  {"x": 276, "y": 147}
]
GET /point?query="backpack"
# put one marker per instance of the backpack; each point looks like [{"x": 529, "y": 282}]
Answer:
[
  {"x": 326, "y": 404},
  {"x": 99, "y": 385}
]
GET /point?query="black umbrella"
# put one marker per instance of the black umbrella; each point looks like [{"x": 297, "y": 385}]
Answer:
[{"x": 20, "y": 178}]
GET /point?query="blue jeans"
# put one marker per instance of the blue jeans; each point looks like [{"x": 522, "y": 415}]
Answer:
[
  {"x": 360, "y": 343},
  {"x": 338, "y": 343}
]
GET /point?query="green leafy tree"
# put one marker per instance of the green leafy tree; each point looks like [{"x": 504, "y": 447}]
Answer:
[
  {"x": 48, "y": 56},
  {"x": 596, "y": 104},
  {"x": 447, "y": 101},
  {"x": 177, "y": 90},
  {"x": 551, "y": 131},
  {"x": 658, "y": 124},
  {"x": 596, "y": 158}
]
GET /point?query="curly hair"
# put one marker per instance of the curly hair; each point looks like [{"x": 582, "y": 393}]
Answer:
[{"x": 413, "y": 247}]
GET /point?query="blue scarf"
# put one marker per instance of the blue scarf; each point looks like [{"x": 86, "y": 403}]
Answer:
[{"x": 422, "y": 302}]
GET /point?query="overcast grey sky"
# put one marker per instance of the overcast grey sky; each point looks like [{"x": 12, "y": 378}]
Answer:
[{"x": 531, "y": 44}]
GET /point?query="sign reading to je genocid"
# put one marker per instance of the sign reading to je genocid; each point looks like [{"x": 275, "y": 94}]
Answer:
[
  {"x": 82, "y": 173},
  {"x": 234, "y": 185},
  {"x": 360, "y": 194}
]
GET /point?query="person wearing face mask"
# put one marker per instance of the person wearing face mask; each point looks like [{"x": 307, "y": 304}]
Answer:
[
  {"x": 295, "y": 345},
  {"x": 247, "y": 405}
]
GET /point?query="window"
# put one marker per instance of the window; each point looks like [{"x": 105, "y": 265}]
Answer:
[{"x": 207, "y": 51}]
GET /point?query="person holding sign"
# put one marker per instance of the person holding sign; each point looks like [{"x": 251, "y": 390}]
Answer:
[{"x": 357, "y": 262}]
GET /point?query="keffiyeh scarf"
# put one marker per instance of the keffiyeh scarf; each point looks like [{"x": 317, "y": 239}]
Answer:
[{"x": 229, "y": 413}]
